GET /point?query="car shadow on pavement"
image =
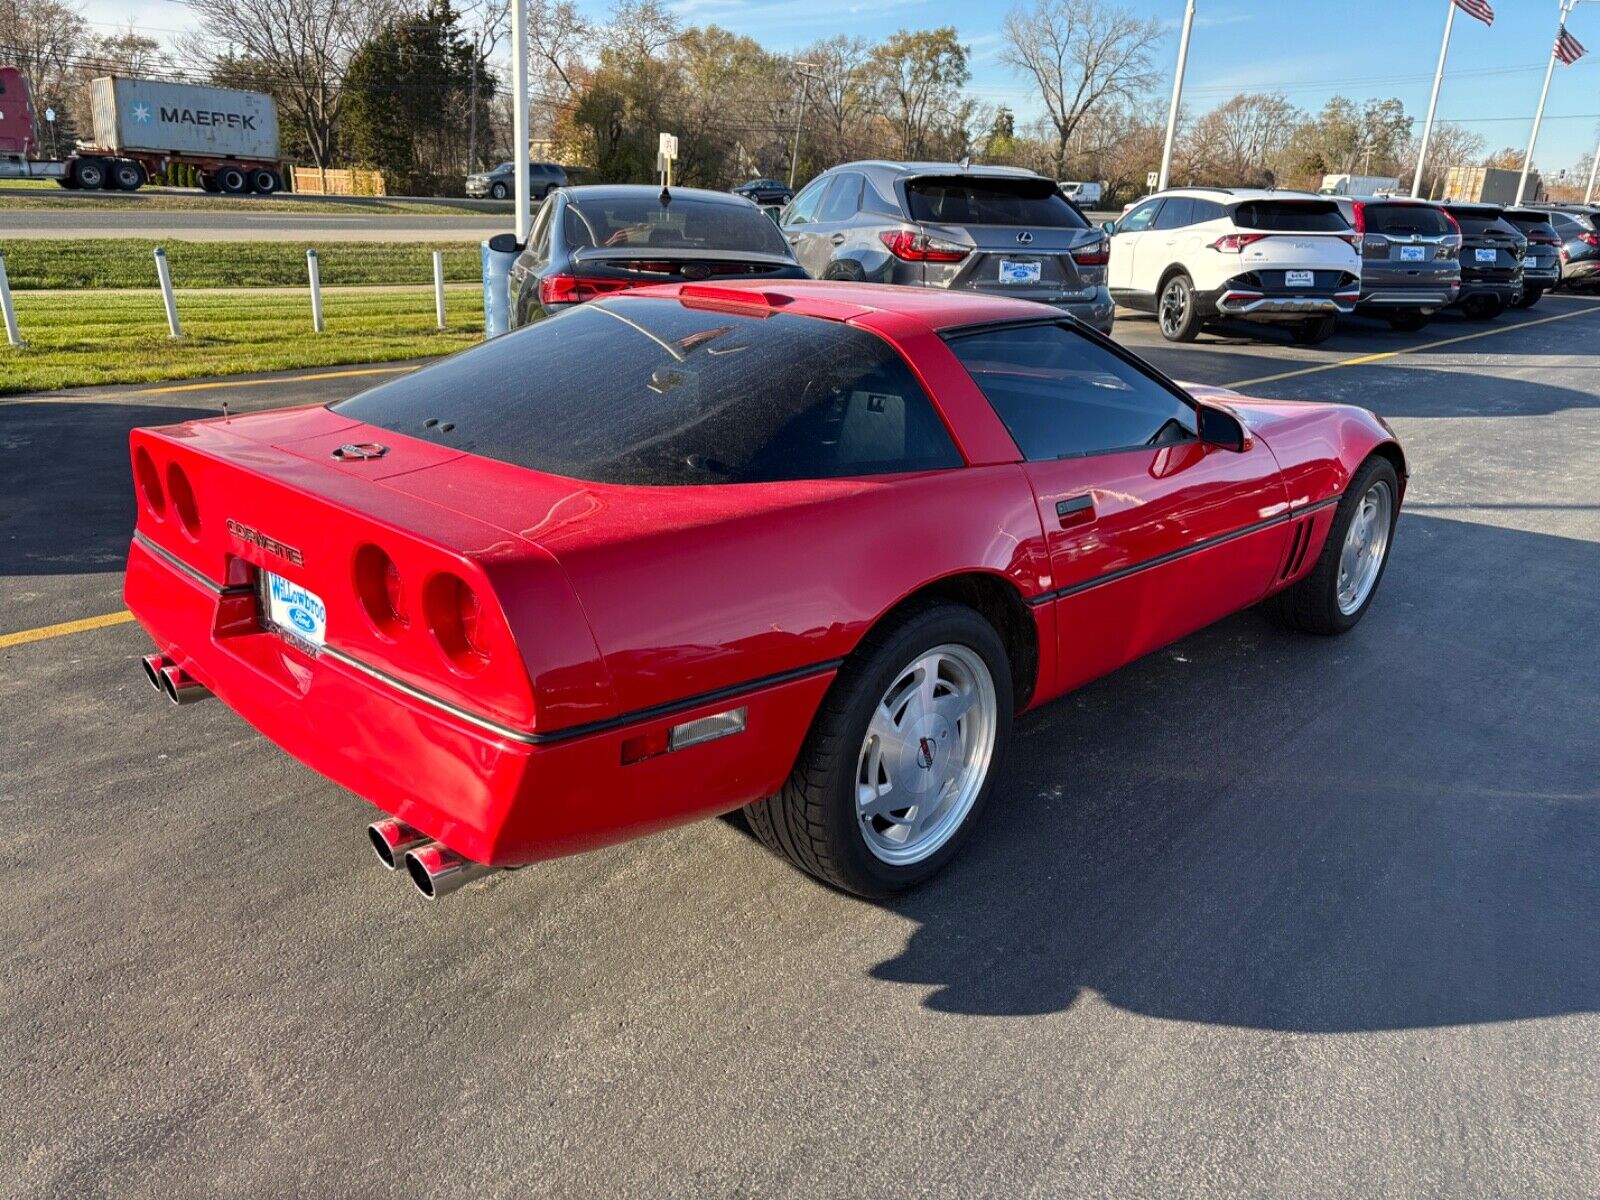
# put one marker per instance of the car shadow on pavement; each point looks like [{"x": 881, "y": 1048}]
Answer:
[
  {"x": 1395, "y": 829},
  {"x": 66, "y": 487}
]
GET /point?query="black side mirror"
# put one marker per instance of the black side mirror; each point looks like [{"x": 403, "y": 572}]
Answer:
[
  {"x": 1218, "y": 428},
  {"x": 505, "y": 243}
]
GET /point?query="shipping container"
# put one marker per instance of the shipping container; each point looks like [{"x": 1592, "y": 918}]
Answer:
[
  {"x": 152, "y": 117},
  {"x": 1490, "y": 185}
]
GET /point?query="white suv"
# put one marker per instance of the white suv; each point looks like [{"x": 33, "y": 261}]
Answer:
[{"x": 1191, "y": 255}]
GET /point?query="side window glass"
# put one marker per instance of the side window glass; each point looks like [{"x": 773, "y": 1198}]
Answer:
[
  {"x": 1140, "y": 217},
  {"x": 874, "y": 201},
  {"x": 539, "y": 235},
  {"x": 802, "y": 209},
  {"x": 1175, "y": 213},
  {"x": 1205, "y": 210},
  {"x": 1062, "y": 395},
  {"x": 843, "y": 199}
]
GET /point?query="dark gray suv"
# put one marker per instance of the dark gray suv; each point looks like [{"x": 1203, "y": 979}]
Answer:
[
  {"x": 501, "y": 183},
  {"x": 1409, "y": 264},
  {"x": 1000, "y": 230}
]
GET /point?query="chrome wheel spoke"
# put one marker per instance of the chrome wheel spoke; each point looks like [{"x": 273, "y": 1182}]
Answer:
[{"x": 1366, "y": 543}]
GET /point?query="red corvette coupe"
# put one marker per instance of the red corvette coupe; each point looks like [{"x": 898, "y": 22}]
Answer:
[{"x": 803, "y": 549}]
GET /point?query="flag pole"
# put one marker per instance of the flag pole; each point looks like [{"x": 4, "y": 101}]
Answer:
[
  {"x": 1544, "y": 93},
  {"x": 1594, "y": 164},
  {"x": 1433, "y": 100},
  {"x": 1177, "y": 96}
]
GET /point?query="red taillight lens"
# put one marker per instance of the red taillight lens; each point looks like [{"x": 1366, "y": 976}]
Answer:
[
  {"x": 1455, "y": 225},
  {"x": 1234, "y": 243},
  {"x": 381, "y": 592},
  {"x": 574, "y": 289},
  {"x": 1097, "y": 255},
  {"x": 148, "y": 480},
  {"x": 458, "y": 622},
  {"x": 1359, "y": 224},
  {"x": 183, "y": 502},
  {"x": 1589, "y": 239},
  {"x": 919, "y": 247}
]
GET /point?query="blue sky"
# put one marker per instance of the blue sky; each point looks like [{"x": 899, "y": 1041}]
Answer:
[{"x": 1304, "y": 48}]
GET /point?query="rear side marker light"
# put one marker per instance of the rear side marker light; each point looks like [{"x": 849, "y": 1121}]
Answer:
[
  {"x": 573, "y": 289},
  {"x": 681, "y": 737},
  {"x": 149, "y": 481},
  {"x": 182, "y": 498},
  {"x": 909, "y": 246}
]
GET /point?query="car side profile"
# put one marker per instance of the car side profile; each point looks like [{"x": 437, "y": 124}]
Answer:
[
  {"x": 501, "y": 182},
  {"x": 765, "y": 191},
  {"x": 1578, "y": 227},
  {"x": 1195, "y": 255},
  {"x": 955, "y": 227},
  {"x": 800, "y": 548}
]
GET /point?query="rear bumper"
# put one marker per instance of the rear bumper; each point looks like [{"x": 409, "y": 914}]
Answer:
[
  {"x": 1541, "y": 276},
  {"x": 1257, "y": 307},
  {"x": 1505, "y": 289},
  {"x": 500, "y": 797}
]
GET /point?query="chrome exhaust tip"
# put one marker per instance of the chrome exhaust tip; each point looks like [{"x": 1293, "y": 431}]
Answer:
[
  {"x": 180, "y": 687},
  {"x": 391, "y": 839},
  {"x": 153, "y": 665},
  {"x": 437, "y": 871}
]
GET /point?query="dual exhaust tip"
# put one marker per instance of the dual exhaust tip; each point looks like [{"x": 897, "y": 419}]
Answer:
[
  {"x": 172, "y": 681},
  {"x": 434, "y": 870}
]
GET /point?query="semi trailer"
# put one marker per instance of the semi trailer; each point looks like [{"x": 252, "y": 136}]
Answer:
[{"x": 141, "y": 127}]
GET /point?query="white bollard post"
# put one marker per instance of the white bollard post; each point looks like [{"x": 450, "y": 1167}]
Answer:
[
  {"x": 438, "y": 286},
  {"x": 6, "y": 309},
  {"x": 164, "y": 274},
  {"x": 315, "y": 274}
]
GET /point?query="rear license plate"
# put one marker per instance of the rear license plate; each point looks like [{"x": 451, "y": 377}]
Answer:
[
  {"x": 1018, "y": 272},
  {"x": 1487, "y": 256},
  {"x": 1299, "y": 278},
  {"x": 1413, "y": 253},
  {"x": 295, "y": 610}
]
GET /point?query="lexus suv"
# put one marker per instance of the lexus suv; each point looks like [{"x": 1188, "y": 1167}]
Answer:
[
  {"x": 500, "y": 183},
  {"x": 1541, "y": 264},
  {"x": 1000, "y": 230},
  {"x": 1491, "y": 259},
  {"x": 1409, "y": 268},
  {"x": 1192, "y": 255},
  {"x": 1578, "y": 227}
]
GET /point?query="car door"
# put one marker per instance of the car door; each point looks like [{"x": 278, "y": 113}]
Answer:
[
  {"x": 1151, "y": 532},
  {"x": 1161, "y": 245},
  {"x": 798, "y": 218},
  {"x": 830, "y": 230},
  {"x": 1125, "y": 237}
]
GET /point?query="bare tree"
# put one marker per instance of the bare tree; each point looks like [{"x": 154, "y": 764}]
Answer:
[
  {"x": 1241, "y": 140},
  {"x": 1081, "y": 53},
  {"x": 43, "y": 38},
  {"x": 301, "y": 47},
  {"x": 921, "y": 74},
  {"x": 1450, "y": 145},
  {"x": 487, "y": 22},
  {"x": 843, "y": 96}
]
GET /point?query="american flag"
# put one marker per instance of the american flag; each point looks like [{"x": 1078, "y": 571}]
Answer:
[
  {"x": 1568, "y": 48},
  {"x": 1480, "y": 9}
]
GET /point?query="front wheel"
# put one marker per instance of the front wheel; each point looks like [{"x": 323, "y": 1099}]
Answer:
[
  {"x": 1176, "y": 310},
  {"x": 901, "y": 756},
  {"x": 1336, "y": 593},
  {"x": 499, "y": 191}
]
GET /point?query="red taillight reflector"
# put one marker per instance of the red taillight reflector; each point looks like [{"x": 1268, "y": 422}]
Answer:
[
  {"x": 646, "y": 745},
  {"x": 1589, "y": 239},
  {"x": 909, "y": 246},
  {"x": 574, "y": 289},
  {"x": 1234, "y": 243},
  {"x": 183, "y": 501},
  {"x": 379, "y": 588},
  {"x": 457, "y": 621},
  {"x": 149, "y": 483}
]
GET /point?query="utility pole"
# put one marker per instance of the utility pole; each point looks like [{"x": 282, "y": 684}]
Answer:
[
  {"x": 805, "y": 83},
  {"x": 1177, "y": 98}
]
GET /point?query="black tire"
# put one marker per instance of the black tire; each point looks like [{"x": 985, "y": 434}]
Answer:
[
  {"x": 499, "y": 191},
  {"x": 1177, "y": 312},
  {"x": 1483, "y": 307},
  {"x": 207, "y": 182},
  {"x": 68, "y": 182},
  {"x": 232, "y": 181},
  {"x": 1529, "y": 297},
  {"x": 1407, "y": 320},
  {"x": 1312, "y": 332},
  {"x": 89, "y": 173},
  {"x": 848, "y": 272},
  {"x": 1311, "y": 604},
  {"x": 813, "y": 821},
  {"x": 126, "y": 175},
  {"x": 265, "y": 182}
]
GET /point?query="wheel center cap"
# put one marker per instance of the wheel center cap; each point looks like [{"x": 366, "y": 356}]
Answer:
[{"x": 928, "y": 751}]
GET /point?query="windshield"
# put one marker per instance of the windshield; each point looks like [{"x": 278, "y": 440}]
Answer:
[
  {"x": 653, "y": 392},
  {"x": 972, "y": 201},
  {"x": 640, "y": 219}
]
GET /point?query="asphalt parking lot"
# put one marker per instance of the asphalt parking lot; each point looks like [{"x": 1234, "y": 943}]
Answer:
[{"x": 1261, "y": 915}]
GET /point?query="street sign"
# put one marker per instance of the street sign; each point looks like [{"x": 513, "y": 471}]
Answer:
[
  {"x": 669, "y": 146},
  {"x": 49, "y": 114},
  {"x": 1150, "y": 180}
]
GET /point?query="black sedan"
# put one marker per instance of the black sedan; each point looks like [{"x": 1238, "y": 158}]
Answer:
[
  {"x": 593, "y": 241},
  {"x": 765, "y": 191}
]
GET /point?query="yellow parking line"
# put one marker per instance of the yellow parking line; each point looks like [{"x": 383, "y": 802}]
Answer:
[
  {"x": 1362, "y": 360},
  {"x": 49, "y": 631},
  {"x": 233, "y": 383}
]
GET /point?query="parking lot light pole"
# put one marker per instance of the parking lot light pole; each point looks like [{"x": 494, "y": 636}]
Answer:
[
  {"x": 1433, "y": 100},
  {"x": 519, "y": 118},
  {"x": 1177, "y": 98}
]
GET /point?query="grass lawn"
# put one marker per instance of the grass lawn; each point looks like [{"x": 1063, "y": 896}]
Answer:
[
  {"x": 77, "y": 340},
  {"x": 36, "y": 194},
  {"x": 128, "y": 263}
]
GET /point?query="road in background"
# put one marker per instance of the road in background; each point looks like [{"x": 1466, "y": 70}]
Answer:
[{"x": 1264, "y": 914}]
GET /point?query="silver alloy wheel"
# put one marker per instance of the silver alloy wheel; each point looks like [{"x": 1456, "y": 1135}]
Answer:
[
  {"x": 926, "y": 754},
  {"x": 1366, "y": 543},
  {"x": 1174, "y": 307}
]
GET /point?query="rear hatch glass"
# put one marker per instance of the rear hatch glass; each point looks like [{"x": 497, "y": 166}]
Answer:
[
  {"x": 641, "y": 221},
  {"x": 653, "y": 392},
  {"x": 1478, "y": 222},
  {"x": 1291, "y": 216},
  {"x": 1406, "y": 220},
  {"x": 964, "y": 200}
]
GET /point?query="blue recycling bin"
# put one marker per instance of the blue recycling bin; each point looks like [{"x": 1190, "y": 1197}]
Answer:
[{"x": 498, "y": 254}]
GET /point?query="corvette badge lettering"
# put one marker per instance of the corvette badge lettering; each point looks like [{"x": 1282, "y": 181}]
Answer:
[{"x": 271, "y": 545}]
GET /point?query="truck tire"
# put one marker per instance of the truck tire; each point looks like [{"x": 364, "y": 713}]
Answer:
[
  {"x": 126, "y": 175},
  {"x": 89, "y": 173},
  {"x": 207, "y": 182},
  {"x": 232, "y": 181},
  {"x": 264, "y": 181}
]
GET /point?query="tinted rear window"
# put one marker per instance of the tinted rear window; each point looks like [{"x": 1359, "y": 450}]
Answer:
[
  {"x": 1291, "y": 216},
  {"x": 1475, "y": 222},
  {"x": 1531, "y": 222},
  {"x": 633, "y": 391},
  {"x": 974, "y": 201},
  {"x": 642, "y": 220},
  {"x": 1420, "y": 219}
]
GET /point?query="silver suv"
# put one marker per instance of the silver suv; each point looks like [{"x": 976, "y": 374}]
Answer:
[{"x": 989, "y": 229}]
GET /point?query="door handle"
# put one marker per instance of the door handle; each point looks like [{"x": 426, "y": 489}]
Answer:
[
  {"x": 837, "y": 239},
  {"x": 1075, "y": 510},
  {"x": 794, "y": 239}
]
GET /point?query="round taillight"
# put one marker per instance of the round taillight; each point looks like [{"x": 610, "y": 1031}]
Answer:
[
  {"x": 457, "y": 622},
  {"x": 379, "y": 586},
  {"x": 183, "y": 503},
  {"x": 148, "y": 480}
]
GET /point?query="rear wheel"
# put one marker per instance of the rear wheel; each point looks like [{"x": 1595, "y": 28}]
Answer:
[
  {"x": 1312, "y": 332},
  {"x": 1483, "y": 307},
  {"x": 264, "y": 181},
  {"x": 89, "y": 173},
  {"x": 1336, "y": 593},
  {"x": 1176, "y": 310},
  {"x": 1407, "y": 320},
  {"x": 233, "y": 181},
  {"x": 901, "y": 756},
  {"x": 127, "y": 175},
  {"x": 1530, "y": 297}
]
